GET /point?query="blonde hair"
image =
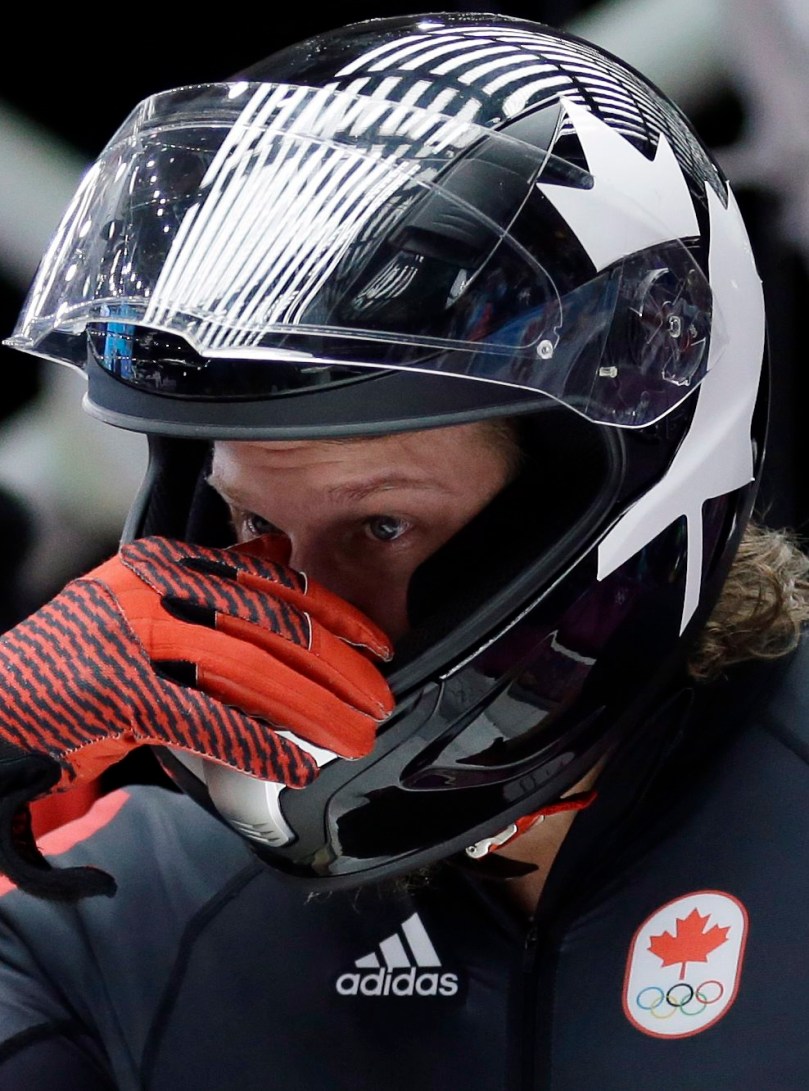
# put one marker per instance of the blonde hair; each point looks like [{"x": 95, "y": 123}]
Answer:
[{"x": 763, "y": 605}]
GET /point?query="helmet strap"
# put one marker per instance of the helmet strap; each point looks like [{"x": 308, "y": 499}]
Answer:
[{"x": 516, "y": 829}]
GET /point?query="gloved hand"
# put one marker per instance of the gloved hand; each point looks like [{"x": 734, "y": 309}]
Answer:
[{"x": 212, "y": 651}]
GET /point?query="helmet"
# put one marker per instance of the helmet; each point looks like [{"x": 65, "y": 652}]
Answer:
[{"x": 414, "y": 222}]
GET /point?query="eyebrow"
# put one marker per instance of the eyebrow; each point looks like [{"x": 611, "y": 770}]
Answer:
[
  {"x": 347, "y": 491},
  {"x": 380, "y": 483},
  {"x": 230, "y": 497}
]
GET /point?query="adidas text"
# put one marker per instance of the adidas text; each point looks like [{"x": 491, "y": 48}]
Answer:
[{"x": 412, "y": 982}]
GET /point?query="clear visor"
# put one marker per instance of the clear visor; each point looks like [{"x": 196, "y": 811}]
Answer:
[{"x": 234, "y": 234}]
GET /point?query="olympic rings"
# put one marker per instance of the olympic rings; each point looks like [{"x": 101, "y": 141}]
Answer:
[
  {"x": 679, "y": 1003},
  {"x": 678, "y": 997},
  {"x": 655, "y": 1004},
  {"x": 718, "y": 996}
]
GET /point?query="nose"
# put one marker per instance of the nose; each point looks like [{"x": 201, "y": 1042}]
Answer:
[
  {"x": 320, "y": 559},
  {"x": 381, "y": 598},
  {"x": 308, "y": 555}
]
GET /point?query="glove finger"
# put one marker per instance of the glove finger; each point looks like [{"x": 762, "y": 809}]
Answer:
[
  {"x": 266, "y": 547},
  {"x": 194, "y": 598},
  {"x": 234, "y": 582},
  {"x": 281, "y": 610},
  {"x": 325, "y": 660},
  {"x": 279, "y": 629},
  {"x": 263, "y": 685},
  {"x": 180, "y": 570},
  {"x": 199, "y": 723},
  {"x": 277, "y": 691},
  {"x": 333, "y": 612}
]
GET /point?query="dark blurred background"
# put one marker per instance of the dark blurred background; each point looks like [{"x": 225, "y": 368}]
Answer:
[{"x": 739, "y": 68}]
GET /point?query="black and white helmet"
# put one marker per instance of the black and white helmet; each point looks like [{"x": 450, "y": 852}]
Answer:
[{"x": 414, "y": 222}]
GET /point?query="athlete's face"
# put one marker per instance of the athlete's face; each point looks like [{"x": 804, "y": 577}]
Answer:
[{"x": 362, "y": 515}]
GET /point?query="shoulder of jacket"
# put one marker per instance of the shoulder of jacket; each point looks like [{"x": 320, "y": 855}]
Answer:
[{"x": 148, "y": 838}]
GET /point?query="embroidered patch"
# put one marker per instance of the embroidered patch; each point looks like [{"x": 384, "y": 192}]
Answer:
[{"x": 685, "y": 964}]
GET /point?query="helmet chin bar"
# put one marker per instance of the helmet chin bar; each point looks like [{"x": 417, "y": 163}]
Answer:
[{"x": 339, "y": 846}]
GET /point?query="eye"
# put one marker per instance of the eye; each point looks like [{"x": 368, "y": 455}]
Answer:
[
  {"x": 385, "y": 528},
  {"x": 255, "y": 525}
]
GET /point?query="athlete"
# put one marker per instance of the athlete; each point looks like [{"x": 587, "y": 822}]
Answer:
[{"x": 477, "y": 690}]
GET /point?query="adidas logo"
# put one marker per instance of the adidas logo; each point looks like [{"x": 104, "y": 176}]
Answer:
[{"x": 407, "y": 965}]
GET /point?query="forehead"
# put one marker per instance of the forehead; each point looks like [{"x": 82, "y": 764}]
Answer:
[{"x": 448, "y": 459}]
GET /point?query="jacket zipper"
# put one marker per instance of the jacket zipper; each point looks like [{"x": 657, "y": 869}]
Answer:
[{"x": 526, "y": 1077}]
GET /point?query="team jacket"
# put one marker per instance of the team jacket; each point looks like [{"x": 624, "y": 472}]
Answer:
[{"x": 671, "y": 947}]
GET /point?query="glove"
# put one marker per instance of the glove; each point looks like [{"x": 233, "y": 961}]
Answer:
[{"x": 212, "y": 651}]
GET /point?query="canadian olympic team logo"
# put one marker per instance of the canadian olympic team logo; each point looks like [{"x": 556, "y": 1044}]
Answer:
[{"x": 684, "y": 965}]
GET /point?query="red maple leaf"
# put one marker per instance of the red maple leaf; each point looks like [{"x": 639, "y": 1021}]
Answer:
[{"x": 690, "y": 942}]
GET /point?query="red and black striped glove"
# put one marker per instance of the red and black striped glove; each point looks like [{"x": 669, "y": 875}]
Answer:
[{"x": 212, "y": 651}]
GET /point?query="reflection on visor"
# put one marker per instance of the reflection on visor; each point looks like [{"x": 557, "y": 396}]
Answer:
[
  {"x": 629, "y": 346},
  {"x": 162, "y": 363}
]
